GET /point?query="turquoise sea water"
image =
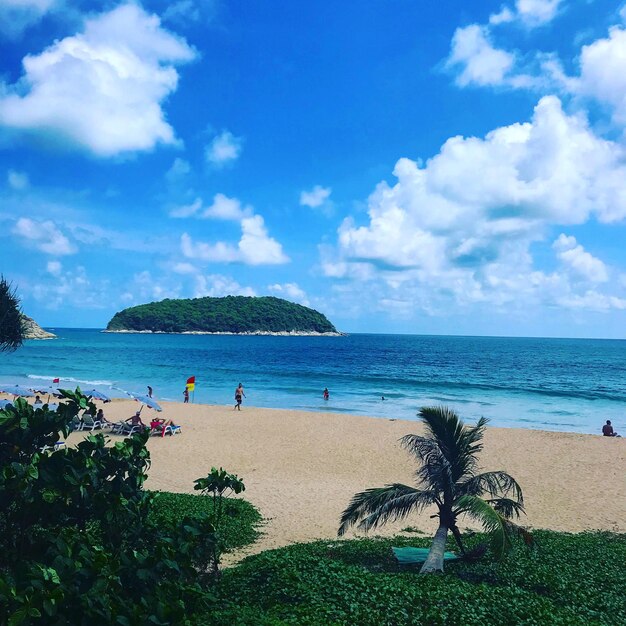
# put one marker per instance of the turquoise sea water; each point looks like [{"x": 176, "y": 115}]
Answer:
[{"x": 549, "y": 384}]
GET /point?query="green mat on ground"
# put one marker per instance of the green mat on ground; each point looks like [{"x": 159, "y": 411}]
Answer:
[{"x": 409, "y": 556}]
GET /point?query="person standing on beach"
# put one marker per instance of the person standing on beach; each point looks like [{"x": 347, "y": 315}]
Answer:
[
  {"x": 239, "y": 395},
  {"x": 149, "y": 391},
  {"x": 186, "y": 395}
]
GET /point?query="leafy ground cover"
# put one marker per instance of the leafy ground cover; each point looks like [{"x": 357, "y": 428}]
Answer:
[
  {"x": 566, "y": 579},
  {"x": 239, "y": 525}
]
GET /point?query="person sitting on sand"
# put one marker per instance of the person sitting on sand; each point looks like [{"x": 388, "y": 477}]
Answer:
[
  {"x": 38, "y": 400},
  {"x": 607, "y": 430},
  {"x": 158, "y": 423},
  {"x": 239, "y": 395},
  {"x": 135, "y": 420}
]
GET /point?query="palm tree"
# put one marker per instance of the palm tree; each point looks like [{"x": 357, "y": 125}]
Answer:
[
  {"x": 11, "y": 326},
  {"x": 447, "y": 479}
]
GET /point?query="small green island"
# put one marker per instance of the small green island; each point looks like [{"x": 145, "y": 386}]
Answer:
[{"x": 231, "y": 315}]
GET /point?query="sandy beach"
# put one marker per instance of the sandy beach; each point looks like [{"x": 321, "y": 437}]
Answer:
[{"x": 301, "y": 468}]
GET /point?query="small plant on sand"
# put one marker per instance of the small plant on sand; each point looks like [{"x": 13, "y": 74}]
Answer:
[
  {"x": 218, "y": 485},
  {"x": 448, "y": 480}
]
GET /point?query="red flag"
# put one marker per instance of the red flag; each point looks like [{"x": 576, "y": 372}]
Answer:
[
  {"x": 191, "y": 381},
  {"x": 56, "y": 380}
]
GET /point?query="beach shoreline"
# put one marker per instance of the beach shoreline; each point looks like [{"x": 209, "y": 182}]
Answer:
[{"x": 301, "y": 468}]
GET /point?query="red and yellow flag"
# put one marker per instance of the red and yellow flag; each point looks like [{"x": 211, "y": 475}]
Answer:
[{"x": 191, "y": 383}]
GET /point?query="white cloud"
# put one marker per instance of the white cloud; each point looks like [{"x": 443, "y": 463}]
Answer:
[
  {"x": 573, "y": 255},
  {"x": 18, "y": 15},
  {"x": 316, "y": 197},
  {"x": 54, "y": 268},
  {"x": 225, "y": 208},
  {"x": 255, "y": 247},
  {"x": 44, "y": 236},
  {"x": 291, "y": 291},
  {"x": 216, "y": 285},
  {"x": 101, "y": 89},
  {"x": 461, "y": 226},
  {"x": 603, "y": 72},
  {"x": 179, "y": 171},
  {"x": 17, "y": 180},
  {"x": 187, "y": 210},
  {"x": 184, "y": 268},
  {"x": 224, "y": 149},
  {"x": 537, "y": 12},
  {"x": 481, "y": 63},
  {"x": 531, "y": 13}
]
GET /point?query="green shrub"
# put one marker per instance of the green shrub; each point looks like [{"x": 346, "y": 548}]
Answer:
[
  {"x": 239, "y": 524},
  {"x": 567, "y": 579}
]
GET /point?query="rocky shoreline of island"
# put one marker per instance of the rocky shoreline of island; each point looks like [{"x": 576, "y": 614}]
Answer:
[{"x": 252, "y": 333}]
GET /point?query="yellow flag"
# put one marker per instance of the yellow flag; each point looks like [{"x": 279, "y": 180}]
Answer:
[{"x": 191, "y": 386}]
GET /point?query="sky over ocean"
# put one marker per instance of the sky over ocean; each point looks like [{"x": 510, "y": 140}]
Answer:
[{"x": 403, "y": 167}]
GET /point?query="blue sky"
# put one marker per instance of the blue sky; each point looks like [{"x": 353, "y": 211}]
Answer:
[{"x": 401, "y": 166}]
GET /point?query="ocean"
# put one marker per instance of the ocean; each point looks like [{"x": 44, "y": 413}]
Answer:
[{"x": 549, "y": 384}]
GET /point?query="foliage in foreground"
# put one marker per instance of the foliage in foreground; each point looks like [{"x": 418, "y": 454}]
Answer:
[
  {"x": 11, "y": 326},
  {"x": 240, "y": 521},
  {"x": 81, "y": 542},
  {"x": 566, "y": 580}
]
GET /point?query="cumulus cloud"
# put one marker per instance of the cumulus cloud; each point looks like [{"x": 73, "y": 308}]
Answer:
[
  {"x": 216, "y": 285},
  {"x": 477, "y": 60},
  {"x": 187, "y": 210},
  {"x": 531, "y": 13},
  {"x": 537, "y": 12},
  {"x": 316, "y": 197},
  {"x": 255, "y": 247},
  {"x": 222, "y": 208},
  {"x": 179, "y": 171},
  {"x": 291, "y": 291},
  {"x": 225, "y": 208},
  {"x": 460, "y": 226},
  {"x": 574, "y": 256},
  {"x": 18, "y": 15},
  {"x": 224, "y": 149},
  {"x": 54, "y": 268},
  {"x": 101, "y": 89},
  {"x": 43, "y": 236},
  {"x": 17, "y": 180},
  {"x": 603, "y": 72}
]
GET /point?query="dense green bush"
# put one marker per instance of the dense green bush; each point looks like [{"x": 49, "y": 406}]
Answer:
[
  {"x": 234, "y": 314},
  {"x": 239, "y": 525},
  {"x": 567, "y": 579},
  {"x": 81, "y": 542}
]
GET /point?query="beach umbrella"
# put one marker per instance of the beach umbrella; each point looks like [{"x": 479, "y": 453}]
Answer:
[
  {"x": 5, "y": 403},
  {"x": 149, "y": 402},
  {"x": 97, "y": 395},
  {"x": 49, "y": 390},
  {"x": 17, "y": 390}
]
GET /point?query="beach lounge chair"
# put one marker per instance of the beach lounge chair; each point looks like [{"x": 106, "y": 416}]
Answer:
[
  {"x": 415, "y": 556},
  {"x": 57, "y": 446},
  {"x": 76, "y": 424},
  {"x": 161, "y": 431},
  {"x": 89, "y": 423}
]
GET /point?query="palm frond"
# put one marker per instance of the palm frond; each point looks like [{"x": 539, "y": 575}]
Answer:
[
  {"x": 459, "y": 444},
  {"x": 493, "y": 522},
  {"x": 507, "y": 507},
  {"x": 376, "y": 506},
  {"x": 498, "y": 484}
]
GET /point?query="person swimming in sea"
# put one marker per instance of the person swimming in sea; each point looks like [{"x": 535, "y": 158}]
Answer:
[{"x": 326, "y": 393}]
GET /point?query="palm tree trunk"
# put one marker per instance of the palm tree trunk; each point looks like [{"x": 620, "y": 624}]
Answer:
[{"x": 434, "y": 560}]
